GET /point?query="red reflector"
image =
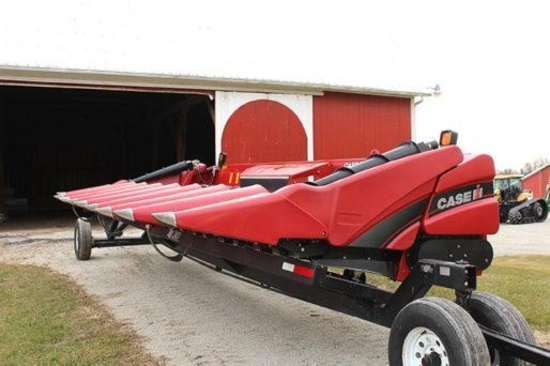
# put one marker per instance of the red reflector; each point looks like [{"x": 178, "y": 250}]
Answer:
[
  {"x": 304, "y": 271},
  {"x": 299, "y": 270}
]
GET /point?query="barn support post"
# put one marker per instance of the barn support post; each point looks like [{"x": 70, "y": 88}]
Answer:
[
  {"x": 211, "y": 111},
  {"x": 3, "y": 214},
  {"x": 181, "y": 124},
  {"x": 154, "y": 133}
]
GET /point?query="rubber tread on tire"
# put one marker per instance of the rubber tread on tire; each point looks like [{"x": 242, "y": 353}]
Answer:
[
  {"x": 83, "y": 240},
  {"x": 457, "y": 330},
  {"x": 501, "y": 316}
]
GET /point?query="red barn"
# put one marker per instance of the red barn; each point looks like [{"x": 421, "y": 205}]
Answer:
[
  {"x": 61, "y": 130},
  {"x": 537, "y": 181},
  {"x": 261, "y": 127}
]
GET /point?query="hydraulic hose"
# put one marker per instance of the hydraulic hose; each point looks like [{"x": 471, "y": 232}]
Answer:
[
  {"x": 401, "y": 151},
  {"x": 171, "y": 169}
]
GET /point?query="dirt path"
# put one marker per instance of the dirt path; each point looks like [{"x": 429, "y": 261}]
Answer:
[{"x": 194, "y": 316}]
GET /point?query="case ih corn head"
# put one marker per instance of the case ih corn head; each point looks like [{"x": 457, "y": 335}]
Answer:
[{"x": 418, "y": 214}]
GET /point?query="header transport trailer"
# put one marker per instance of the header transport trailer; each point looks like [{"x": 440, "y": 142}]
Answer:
[{"x": 418, "y": 214}]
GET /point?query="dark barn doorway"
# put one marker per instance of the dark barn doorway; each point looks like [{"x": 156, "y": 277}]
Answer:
[{"x": 54, "y": 139}]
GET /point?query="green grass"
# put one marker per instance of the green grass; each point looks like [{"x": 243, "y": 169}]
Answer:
[
  {"x": 525, "y": 282},
  {"x": 46, "y": 319},
  {"x": 522, "y": 280}
]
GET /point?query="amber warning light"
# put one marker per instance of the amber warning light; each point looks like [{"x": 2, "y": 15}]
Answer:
[{"x": 448, "y": 137}]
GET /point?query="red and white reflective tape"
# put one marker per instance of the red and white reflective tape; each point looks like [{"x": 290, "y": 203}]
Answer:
[{"x": 299, "y": 270}]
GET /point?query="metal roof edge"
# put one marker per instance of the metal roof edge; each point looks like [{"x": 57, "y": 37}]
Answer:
[
  {"x": 536, "y": 171},
  {"x": 97, "y": 78}
]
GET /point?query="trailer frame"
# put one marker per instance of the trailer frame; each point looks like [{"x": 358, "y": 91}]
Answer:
[{"x": 314, "y": 283}]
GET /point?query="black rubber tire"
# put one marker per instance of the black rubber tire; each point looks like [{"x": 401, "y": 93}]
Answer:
[
  {"x": 499, "y": 315},
  {"x": 539, "y": 212},
  {"x": 515, "y": 217},
  {"x": 462, "y": 340},
  {"x": 82, "y": 240},
  {"x": 503, "y": 213}
]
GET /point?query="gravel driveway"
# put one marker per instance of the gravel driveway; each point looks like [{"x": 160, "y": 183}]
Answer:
[
  {"x": 522, "y": 239},
  {"x": 194, "y": 316}
]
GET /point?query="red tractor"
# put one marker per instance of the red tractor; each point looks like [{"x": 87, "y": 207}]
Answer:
[{"x": 418, "y": 214}]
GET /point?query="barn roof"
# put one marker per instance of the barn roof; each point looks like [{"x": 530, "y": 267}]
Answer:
[
  {"x": 536, "y": 171},
  {"x": 173, "y": 45},
  {"x": 97, "y": 79}
]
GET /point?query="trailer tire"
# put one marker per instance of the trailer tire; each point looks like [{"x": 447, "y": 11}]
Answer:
[
  {"x": 83, "y": 240},
  {"x": 499, "y": 315},
  {"x": 436, "y": 331}
]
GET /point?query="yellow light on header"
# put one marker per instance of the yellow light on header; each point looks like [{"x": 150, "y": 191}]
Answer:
[{"x": 447, "y": 138}]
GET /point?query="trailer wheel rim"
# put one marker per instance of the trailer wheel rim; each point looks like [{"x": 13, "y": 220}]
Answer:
[
  {"x": 77, "y": 241},
  {"x": 423, "y": 347}
]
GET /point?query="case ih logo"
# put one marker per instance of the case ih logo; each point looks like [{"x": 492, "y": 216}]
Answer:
[{"x": 461, "y": 196}]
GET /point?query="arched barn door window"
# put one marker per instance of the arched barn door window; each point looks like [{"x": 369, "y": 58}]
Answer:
[{"x": 264, "y": 131}]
